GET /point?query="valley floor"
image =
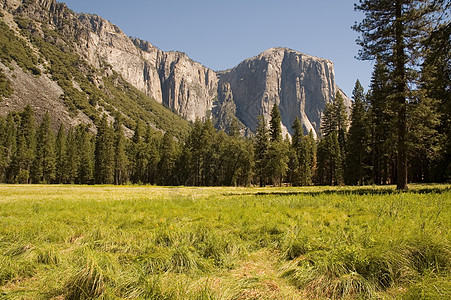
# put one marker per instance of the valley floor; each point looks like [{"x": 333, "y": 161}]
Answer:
[{"x": 146, "y": 242}]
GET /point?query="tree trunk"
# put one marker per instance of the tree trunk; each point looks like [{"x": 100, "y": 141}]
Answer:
[{"x": 401, "y": 85}]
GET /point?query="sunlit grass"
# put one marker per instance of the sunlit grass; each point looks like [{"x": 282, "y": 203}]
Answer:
[{"x": 145, "y": 242}]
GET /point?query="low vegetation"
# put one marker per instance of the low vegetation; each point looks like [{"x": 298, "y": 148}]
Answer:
[
  {"x": 5, "y": 86},
  {"x": 145, "y": 242},
  {"x": 15, "y": 49}
]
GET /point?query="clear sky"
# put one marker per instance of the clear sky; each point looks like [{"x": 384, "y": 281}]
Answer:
[{"x": 222, "y": 33}]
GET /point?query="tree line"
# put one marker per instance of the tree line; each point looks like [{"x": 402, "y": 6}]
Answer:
[{"x": 354, "y": 150}]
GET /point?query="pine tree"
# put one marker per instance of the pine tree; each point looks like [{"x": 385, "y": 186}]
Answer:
[
  {"x": 277, "y": 154},
  {"x": 166, "y": 165},
  {"x": 139, "y": 156},
  {"x": 72, "y": 159},
  {"x": 392, "y": 32},
  {"x": 277, "y": 162},
  {"x": 382, "y": 125},
  {"x": 275, "y": 128},
  {"x": 293, "y": 153},
  {"x": 359, "y": 139},
  {"x": 330, "y": 159},
  {"x": 341, "y": 117},
  {"x": 191, "y": 159},
  {"x": 152, "y": 142},
  {"x": 104, "y": 153},
  {"x": 120, "y": 157},
  {"x": 26, "y": 146},
  {"x": 261, "y": 145},
  {"x": 330, "y": 170},
  {"x": 10, "y": 146},
  {"x": 45, "y": 160},
  {"x": 3, "y": 150},
  {"x": 209, "y": 154},
  {"x": 61, "y": 155},
  {"x": 436, "y": 84},
  {"x": 303, "y": 149},
  {"x": 328, "y": 120},
  {"x": 312, "y": 151},
  {"x": 86, "y": 143},
  {"x": 235, "y": 160}
]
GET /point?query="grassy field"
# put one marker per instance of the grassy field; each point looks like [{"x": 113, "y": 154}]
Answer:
[{"x": 127, "y": 242}]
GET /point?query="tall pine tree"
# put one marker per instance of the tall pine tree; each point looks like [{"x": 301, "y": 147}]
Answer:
[
  {"x": 104, "y": 153},
  {"x": 61, "y": 155},
  {"x": 358, "y": 164},
  {"x": 392, "y": 32},
  {"x": 261, "y": 145},
  {"x": 26, "y": 146},
  {"x": 45, "y": 161},
  {"x": 120, "y": 156}
]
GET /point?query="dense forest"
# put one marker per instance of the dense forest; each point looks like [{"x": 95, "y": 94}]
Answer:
[{"x": 354, "y": 149}]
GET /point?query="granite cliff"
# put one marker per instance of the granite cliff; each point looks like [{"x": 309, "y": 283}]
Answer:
[{"x": 300, "y": 84}]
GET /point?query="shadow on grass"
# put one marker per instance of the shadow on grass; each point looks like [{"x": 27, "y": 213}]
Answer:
[{"x": 360, "y": 192}]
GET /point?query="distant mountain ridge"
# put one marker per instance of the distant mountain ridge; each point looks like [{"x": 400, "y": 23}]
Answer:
[{"x": 300, "y": 84}]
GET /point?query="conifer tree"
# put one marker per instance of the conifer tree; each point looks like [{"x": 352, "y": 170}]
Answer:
[
  {"x": 209, "y": 154},
  {"x": 312, "y": 151},
  {"x": 275, "y": 128},
  {"x": 120, "y": 157},
  {"x": 330, "y": 159},
  {"x": 166, "y": 165},
  {"x": 330, "y": 170},
  {"x": 359, "y": 139},
  {"x": 277, "y": 154},
  {"x": 191, "y": 158},
  {"x": 72, "y": 160},
  {"x": 10, "y": 146},
  {"x": 3, "y": 150},
  {"x": 436, "y": 85},
  {"x": 86, "y": 152},
  {"x": 328, "y": 120},
  {"x": 152, "y": 142},
  {"x": 293, "y": 154},
  {"x": 303, "y": 149},
  {"x": 45, "y": 160},
  {"x": 235, "y": 160},
  {"x": 392, "y": 32},
  {"x": 26, "y": 146},
  {"x": 261, "y": 146},
  {"x": 382, "y": 125},
  {"x": 104, "y": 153},
  {"x": 341, "y": 117},
  {"x": 139, "y": 156},
  {"x": 61, "y": 155}
]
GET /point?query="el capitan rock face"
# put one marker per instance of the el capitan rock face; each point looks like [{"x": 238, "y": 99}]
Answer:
[{"x": 300, "y": 84}]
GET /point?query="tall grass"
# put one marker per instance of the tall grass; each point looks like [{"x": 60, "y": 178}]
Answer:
[{"x": 105, "y": 242}]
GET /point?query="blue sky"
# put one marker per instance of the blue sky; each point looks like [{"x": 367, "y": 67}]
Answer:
[{"x": 222, "y": 33}]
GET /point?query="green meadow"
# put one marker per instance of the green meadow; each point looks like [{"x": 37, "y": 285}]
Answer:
[{"x": 145, "y": 242}]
